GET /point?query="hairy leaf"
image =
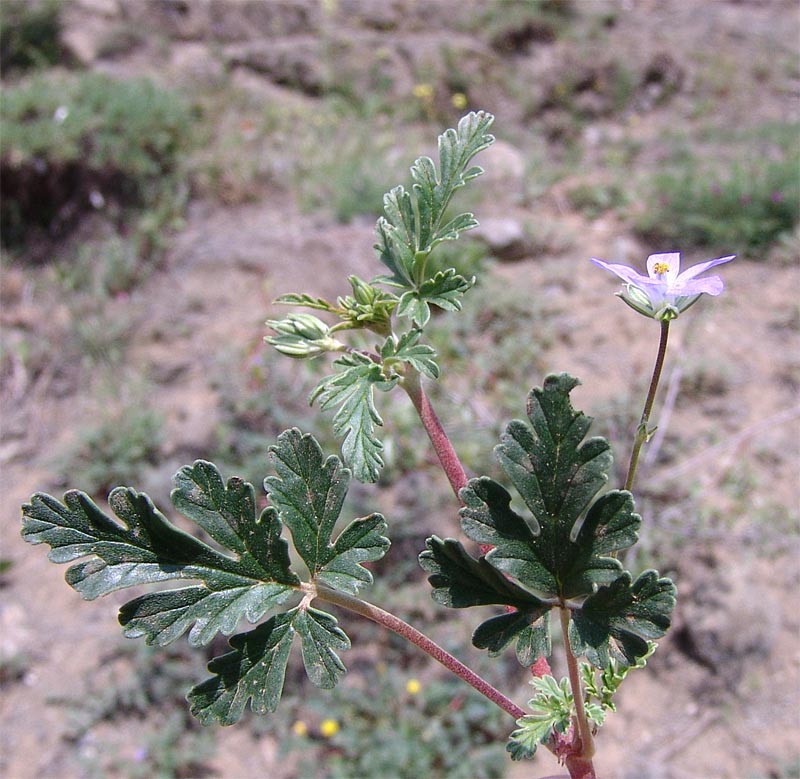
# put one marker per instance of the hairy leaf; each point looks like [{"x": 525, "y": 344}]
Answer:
[
  {"x": 557, "y": 473},
  {"x": 444, "y": 290},
  {"x": 308, "y": 493},
  {"x": 412, "y": 223},
  {"x": 557, "y": 553},
  {"x": 143, "y": 547},
  {"x": 616, "y": 622},
  {"x": 408, "y": 349},
  {"x": 256, "y": 668},
  {"x": 352, "y": 389}
]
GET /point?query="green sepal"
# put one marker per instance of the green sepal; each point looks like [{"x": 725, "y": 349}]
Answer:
[
  {"x": 616, "y": 622},
  {"x": 352, "y": 388},
  {"x": 308, "y": 492}
]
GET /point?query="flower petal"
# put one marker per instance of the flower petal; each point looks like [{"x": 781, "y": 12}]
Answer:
[
  {"x": 695, "y": 270},
  {"x": 685, "y": 287},
  {"x": 625, "y": 272},
  {"x": 671, "y": 260}
]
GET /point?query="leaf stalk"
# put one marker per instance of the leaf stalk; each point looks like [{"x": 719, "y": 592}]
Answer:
[{"x": 427, "y": 645}]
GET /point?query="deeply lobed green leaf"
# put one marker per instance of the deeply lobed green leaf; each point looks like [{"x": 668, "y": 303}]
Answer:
[
  {"x": 308, "y": 492},
  {"x": 352, "y": 389},
  {"x": 558, "y": 554},
  {"x": 412, "y": 223},
  {"x": 252, "y": 575}
]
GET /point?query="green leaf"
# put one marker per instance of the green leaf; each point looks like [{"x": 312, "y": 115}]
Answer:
[
  {"x": 256, "y": 668},
  {"x": 616, "y": 622},
  {"x": 557, "y": 554},
  {"x": 460, "y": 581},
  {"x": 552, "y": 711},
  {"x": 408, "y": 349},
  {"x": 308, "y": 493},
  {"x": 444, "y": 290},
  {"x": 352, "y": 390},
  {"x": 144, "y": 548},
  {"x": 307, "y": 301},
  {"x": 411, "y": 225}
]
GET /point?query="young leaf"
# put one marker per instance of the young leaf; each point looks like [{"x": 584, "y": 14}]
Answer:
[
  {"x": 352, "y": 390},
  {"x": 308, "y": 493},
  {"x": 444, "y": 290},
  {"x": 412, "y": 223},
  {"x": 145, "y": 548},
  {"x": 407, "y": 349}
]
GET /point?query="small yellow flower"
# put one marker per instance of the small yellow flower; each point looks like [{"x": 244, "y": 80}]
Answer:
[
  {"x": 413, "y": 686},
  {"x": 329, "y": 728},
  {"x": 300, "y": 728},
  {"x": 422, "y": 91},
  {"x": 459, "y": 100}
]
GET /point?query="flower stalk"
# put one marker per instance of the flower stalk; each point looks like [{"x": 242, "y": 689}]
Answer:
[{"x": 642, "y": 433}]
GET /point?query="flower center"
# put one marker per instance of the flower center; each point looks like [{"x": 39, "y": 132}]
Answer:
[{"x": 660, "y": 268}]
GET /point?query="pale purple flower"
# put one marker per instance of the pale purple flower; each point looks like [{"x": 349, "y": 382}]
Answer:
[{"x": 665, "y": 292}]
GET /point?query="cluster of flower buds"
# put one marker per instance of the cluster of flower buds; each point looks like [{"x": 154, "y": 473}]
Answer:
[{"x": 302, "y": 336}]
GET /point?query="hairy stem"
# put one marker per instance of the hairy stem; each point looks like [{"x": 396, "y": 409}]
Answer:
[
  {"x": 584, "y": 729},
  {"x": 397, "y": 625},
  {"x": 641, "y": 431},
  {"x": 452, "y": 466}
]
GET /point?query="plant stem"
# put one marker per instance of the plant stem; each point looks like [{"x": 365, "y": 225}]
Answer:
[
  {"x": 397, "y": 625},
  {"x": 433, "y": 427},
  {"x": 584, "y": 730},
  {"x": 641, "y": 431}
]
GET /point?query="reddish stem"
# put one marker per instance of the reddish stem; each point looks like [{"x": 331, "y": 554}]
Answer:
[
  {"x": 397, "y": 625},
  {"x": 433, "y": 427},
  {"x": 578, "y": 767}
]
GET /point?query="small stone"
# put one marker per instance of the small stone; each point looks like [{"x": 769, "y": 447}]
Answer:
[{"x": 505, "y": 238}]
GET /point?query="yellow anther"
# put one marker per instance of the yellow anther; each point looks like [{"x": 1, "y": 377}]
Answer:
[{"x": 660, "y": 268}]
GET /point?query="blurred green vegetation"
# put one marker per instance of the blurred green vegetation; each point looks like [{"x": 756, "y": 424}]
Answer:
[
  {"x": 739, "y": 205},
  {"x": 76, "y": 144},
  {"x": 30, "y": 32}
]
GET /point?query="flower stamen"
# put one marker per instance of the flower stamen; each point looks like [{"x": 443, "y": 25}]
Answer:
[{"x": 660, "y": 268}]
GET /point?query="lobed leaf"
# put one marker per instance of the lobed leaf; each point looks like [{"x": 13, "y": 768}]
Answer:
[
  {"x": 444, "y": 290},
  {"x": 308, "y": 492},
  {"x": 411, "y": 226},
  {"x": 143, "y": 547},
  {"x": 352, "y": 390},
  {"x": 408, "y": 349},
  {"x": 558, "y": 554},
  {"x": 616, "y": 622}
]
